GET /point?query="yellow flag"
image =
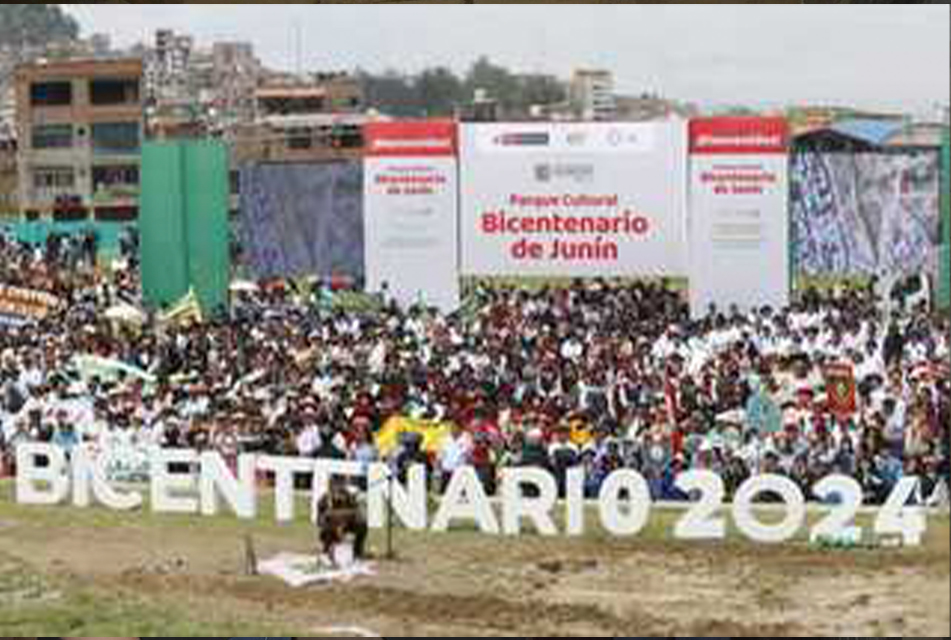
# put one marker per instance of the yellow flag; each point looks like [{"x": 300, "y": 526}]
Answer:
[
  {"x": 434, "y": 434},
  {"x": 186, "y": 311}
]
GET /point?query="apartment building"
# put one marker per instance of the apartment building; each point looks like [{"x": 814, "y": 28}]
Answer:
[
  {"x": 79, "y": 125},
  {"x": 591, "y": 94},
  {"x": 316, "y": 118}
]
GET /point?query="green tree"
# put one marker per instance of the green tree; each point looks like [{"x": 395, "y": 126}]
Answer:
[
  {"x": 439, "y": 91},
  {"x": 392, "y": 93},
  {"x": 497, "y": 81},
  {"x": 540, "y": 89},
  {"x": 35, "y": 24}
]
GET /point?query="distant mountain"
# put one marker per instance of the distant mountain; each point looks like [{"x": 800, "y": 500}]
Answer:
[{"x": 35, "y": 24}]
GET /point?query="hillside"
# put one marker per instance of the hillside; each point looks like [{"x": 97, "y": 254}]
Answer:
[{"x": 35, "y": 24}]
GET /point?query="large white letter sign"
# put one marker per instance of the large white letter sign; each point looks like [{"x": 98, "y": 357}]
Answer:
[
  {"x": 44, "y": 477},
  {"x": 465, "y": 499},
  {"x": 700, "y": 523},
  {"x": 30, "y": 476},
  {"x": 239, "y": 493},
  {"x": 88, "y": 471},
  {"x": 897, "y": 518},
  {"x": 515, "y": 505},
  {"x": 839, "y": 524},
  {"x": 409, "y": 505},
  {"x": 639, "y": 501},
  {"x": 793, "y": 501},
  {"x": 284, "y": 470},
  {"x": 574, "y": 502},
  {"x": 164, "y": 482}
]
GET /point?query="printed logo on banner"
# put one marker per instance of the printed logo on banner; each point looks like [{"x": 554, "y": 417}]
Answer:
[
  {"x": 552, "y": 172},
  {"x": 523, "y": 140},
  {"x": 576, "y": 138},
  {"x": 591, "y": 138},
  {"x": 627, "y": 138}
]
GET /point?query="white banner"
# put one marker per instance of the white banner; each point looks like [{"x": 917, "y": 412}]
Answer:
[
  {"x": 573, "y": 199},
  {"x": 412, "y": 214},
  {"x": 739, "y": 221}
]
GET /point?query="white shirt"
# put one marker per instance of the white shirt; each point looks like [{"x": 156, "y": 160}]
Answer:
[
  {"x": 308, "y": 441},
  {"x": 455, "y": 453},
  {"x": 377, "y": 359},
  {"x": 571, "y": 349}
]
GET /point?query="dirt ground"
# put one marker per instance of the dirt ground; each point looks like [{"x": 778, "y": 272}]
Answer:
[{"x": 464, "y": 584}]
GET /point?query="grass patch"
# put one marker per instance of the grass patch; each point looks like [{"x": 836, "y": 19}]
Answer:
[{"x": 34, "y": 605}]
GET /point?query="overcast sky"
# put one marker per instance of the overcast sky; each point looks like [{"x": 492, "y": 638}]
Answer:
[{"x": 877, "y": 56}]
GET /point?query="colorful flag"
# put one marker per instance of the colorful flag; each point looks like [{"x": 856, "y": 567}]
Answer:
[{"x": 841, "y": 389}]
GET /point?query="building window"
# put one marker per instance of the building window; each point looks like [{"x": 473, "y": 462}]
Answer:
[
  {"x": 51, "y": 94},
  {"x": 346, "y": 137},
  {"x": 300, "y": 139},
  {"x": 104, "y": 92},
  {"x": 117, "y": 214},
  {"x": 347, "y": 103},
  {"x": 116, "y": 176},
  {"x": 53, "y": 136},
  {"x": 56, "y": 178},
  {"x": 115, "y": 182},
  {"x": 69, "y": 208},
  {"x": 115, "y": 138},
  {"x": 290, "y": 105}
]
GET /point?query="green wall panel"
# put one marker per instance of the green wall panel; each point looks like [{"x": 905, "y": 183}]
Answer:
[
  {"x": 162, "y": 226},
  {"x": 184, "y": 223},
  {"x": 207, "y": 203}
]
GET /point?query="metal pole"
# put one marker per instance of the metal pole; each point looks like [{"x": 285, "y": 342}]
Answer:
[{"x": 389, "y": 517}]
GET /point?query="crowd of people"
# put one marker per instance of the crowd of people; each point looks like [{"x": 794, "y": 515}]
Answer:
[{"x": 602, "y": 374}]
